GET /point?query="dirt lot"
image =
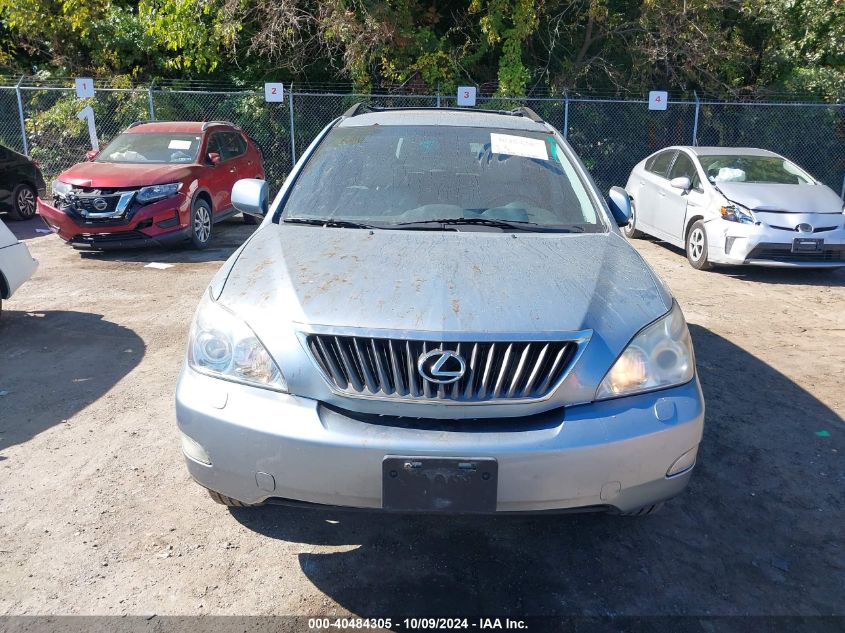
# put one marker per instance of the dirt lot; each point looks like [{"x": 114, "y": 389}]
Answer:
[{"x": 98, "y": 515}]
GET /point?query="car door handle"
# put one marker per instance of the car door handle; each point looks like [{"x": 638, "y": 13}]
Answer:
[{"x": 232, "y": 170}]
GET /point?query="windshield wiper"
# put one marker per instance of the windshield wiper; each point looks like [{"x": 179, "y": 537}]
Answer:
[
  {"x": 341, "y": 224},
  {"x": 501, "y": 224}
]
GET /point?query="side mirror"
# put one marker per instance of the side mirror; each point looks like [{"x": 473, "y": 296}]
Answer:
[
  {"x": 681, "y": 182},
  {"x": 213, "y": 158},
  {"x": 620, "y": 205},
  {"x": 91, "y": 154},
  {"x": 251, "y": 196}
]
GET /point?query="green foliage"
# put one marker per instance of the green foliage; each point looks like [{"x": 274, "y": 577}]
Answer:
[{"x": 716, "y": 47}]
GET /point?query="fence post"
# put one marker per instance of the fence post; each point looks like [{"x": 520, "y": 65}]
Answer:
[
  {"x": 20, "y": 114},
  {"x": 150, "y": 97},
  {"x": 292, "y": 130},
  {"x": 566, "y": 115},
  {"x": 438, "y": 94},
  {"x": 695, "y": 123}
]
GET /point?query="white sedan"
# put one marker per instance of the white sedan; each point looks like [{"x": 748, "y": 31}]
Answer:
[
  {"x": 729, "y": 205},
  {"x": 16, "y": 264}
]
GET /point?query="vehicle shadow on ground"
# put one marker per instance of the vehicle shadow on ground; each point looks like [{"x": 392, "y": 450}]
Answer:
[
  {"x": 54, "y": 364},
  {"x": 758, "y": 531},
  {"x": 761, "y": 274},
  {"x": 26, "y": 229},
  {"x": 227, "y": 238}
]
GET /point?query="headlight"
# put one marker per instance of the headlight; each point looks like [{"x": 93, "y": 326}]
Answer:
[
  {"x": 659, "y": 356},
  {"x": 61, "y": 188},
  {"x": 157, "y": 192},
  {"x": 223, "y": 346},
  {"x": 735, "y": 213}
]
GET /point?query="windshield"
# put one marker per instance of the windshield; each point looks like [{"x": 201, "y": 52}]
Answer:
[
  {"x": 753, "y": 169},
  {"x": 386, "y": 176},
  {"x": 151, "y": 147}
]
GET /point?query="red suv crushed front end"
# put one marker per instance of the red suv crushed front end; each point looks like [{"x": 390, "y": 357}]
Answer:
[{"x": 146, "y": 186}]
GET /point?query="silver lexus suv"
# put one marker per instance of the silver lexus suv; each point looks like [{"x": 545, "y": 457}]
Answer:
[{"x": 439, "y": 314}]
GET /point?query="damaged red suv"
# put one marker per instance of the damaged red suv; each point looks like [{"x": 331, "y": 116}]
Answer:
[{"x": 156, "y": 183}]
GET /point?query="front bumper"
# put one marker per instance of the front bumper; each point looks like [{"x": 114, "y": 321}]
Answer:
[
  {"x": 762, "y": 245},
  {"x": 264, "y": 446},
  {"x": 160, "y": 223}
]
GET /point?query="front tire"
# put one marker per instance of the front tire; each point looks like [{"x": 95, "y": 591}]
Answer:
[
  {"x": 630, "y": 230},
  {"x": 696, "y": 246},
  {"x": 23, "y": 203},
  {"x": 202, "y": 224}
]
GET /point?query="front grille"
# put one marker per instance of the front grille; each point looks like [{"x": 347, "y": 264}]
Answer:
[
  {"x": 82, "y": 201},
  {"x": 783, "y": 253},
  {"x": 387, "y": 368}
]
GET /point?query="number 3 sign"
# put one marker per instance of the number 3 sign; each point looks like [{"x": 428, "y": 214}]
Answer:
[{"x": 466, "y": 95}]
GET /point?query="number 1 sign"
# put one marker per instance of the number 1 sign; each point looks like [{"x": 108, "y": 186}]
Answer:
[{"x": 84, "y": 87}]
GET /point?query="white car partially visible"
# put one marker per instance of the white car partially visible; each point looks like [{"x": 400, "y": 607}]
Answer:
[
  {"x": 737, "y": 206},
  {"x": 16, "y": 264}
]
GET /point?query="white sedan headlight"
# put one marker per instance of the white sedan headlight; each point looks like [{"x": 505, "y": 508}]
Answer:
[
  {"x": 223, "y": 346},
  {"x": 659, "y": 356}
]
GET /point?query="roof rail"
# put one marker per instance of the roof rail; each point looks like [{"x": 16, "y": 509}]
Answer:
[
  {"x": 358, "y": 108},
  {"x": 208, "y": 124},
  {"x": 527, "y": 113},
  {"x": 135, "y": 124},
  {"x": 523, "y": 111}
]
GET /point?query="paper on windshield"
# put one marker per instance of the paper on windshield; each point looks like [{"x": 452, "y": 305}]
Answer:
[
  {"x": 179, "y": 144},
  {"x": 518, "y": 146},
  {"x": 730, "y": 174}
]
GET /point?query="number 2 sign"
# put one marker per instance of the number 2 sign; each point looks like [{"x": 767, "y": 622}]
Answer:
[
  {"x": 466, "y": 95},
  {"x": 274, "y": 92},
  {"x": 658, "y": 100}
]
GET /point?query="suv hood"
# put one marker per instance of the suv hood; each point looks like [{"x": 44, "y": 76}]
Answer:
[
  {"x": 94, "y": 174},
  {"x": 790, "y": 198},
  {"x": 288, "y": 279}
]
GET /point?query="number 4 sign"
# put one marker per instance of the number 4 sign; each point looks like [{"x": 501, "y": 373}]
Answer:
[
  {"x": 658, "y": 100},
  {"x": 466, "y": 95},
  {"x": 274, "y": 92}
]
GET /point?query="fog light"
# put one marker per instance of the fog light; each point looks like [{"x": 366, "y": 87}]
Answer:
[
  {"x": 683, "y": 463},
  {"x": 194, "y": 451}
]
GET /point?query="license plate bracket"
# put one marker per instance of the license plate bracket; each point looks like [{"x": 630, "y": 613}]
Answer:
[
  {"x": 434, "y": 484},
  {"x": 807, "y": 245}
]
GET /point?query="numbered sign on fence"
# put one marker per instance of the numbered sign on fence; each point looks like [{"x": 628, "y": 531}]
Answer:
[
  {"x": 466, "y": 95},
  {"x": 658, "y": 100},
  {"x": 274, "y": 92},
  {"x": 84, "y": 87}
]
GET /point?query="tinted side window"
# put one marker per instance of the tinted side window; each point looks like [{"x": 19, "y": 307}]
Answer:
[
  {"x": 660, "y": 163},
  {"x": 215, "y": 145},
  {"x": 683, "y": 167},
  {"x": 232, "y": 145}
]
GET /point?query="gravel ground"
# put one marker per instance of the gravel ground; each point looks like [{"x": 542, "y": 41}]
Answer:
[{"x": 98, "y": 515}]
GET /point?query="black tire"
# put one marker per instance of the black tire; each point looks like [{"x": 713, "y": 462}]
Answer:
[
  {"x": 629, "y": 230},
  {"x": 644, "y": 511},
  {"x": 227, "y": 501},
  {"x": 24, "y": 203},
  {"x": 202, "y": 224},
  {"x": 250, "y": 220},
  {"x": 696, "y": 246}
]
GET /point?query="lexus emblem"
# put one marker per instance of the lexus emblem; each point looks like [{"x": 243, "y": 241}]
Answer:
[
  {"x": 100, "y": 204},
  {"x": 441, "y": 366},
  {"x": 804, "y": 228}
]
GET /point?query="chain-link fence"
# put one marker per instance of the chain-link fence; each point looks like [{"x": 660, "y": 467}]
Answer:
[{"x": 41, "y": 119}]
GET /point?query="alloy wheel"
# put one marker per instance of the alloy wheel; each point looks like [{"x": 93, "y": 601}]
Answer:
[
  {"x": 202, "y": 223},
  {"x": 696, "y": 243},
  {"x": 25, "y": 202}
]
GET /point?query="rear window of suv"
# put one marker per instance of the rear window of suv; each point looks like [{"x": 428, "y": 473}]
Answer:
[{"x": 403, "y": 174}]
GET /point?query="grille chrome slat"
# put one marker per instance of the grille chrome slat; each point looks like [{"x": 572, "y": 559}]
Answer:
[{"x": 386, "y": 368}]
